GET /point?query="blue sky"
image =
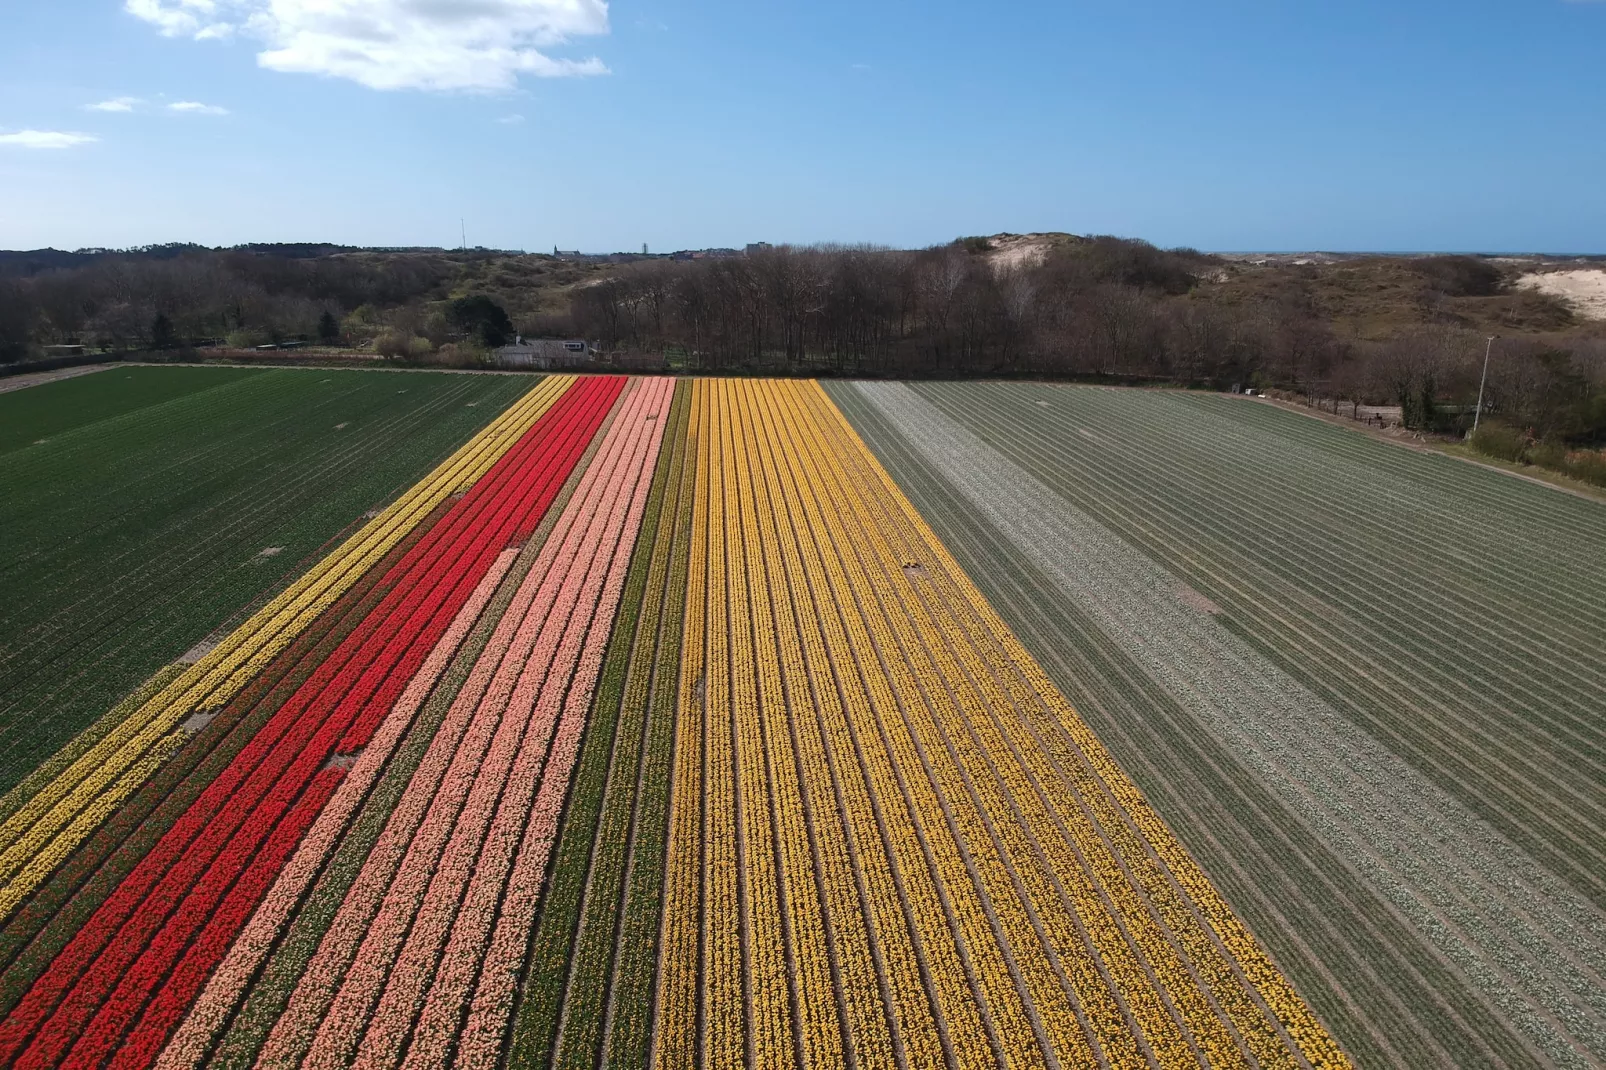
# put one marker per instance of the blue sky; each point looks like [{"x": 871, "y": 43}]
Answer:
[{"x": 1225, "y": 125}]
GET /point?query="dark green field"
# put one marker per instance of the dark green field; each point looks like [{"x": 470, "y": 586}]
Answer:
[
  {"x": 1366, "y": 685},
  {"x": 142, "y": 508}
]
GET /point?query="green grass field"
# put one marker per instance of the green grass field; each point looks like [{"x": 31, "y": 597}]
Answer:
[
  {"x": 1365, "y": 685},
  {"x": 143, "y": 508}
]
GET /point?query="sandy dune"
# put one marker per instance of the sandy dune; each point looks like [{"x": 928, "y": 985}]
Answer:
[{"x": 1583, "y": 288}]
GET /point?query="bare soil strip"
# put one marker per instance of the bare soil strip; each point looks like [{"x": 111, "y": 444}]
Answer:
[{"x": 27, "y": 379}]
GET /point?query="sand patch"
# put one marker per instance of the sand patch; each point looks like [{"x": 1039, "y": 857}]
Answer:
[{"x": 1584, "y": 289}]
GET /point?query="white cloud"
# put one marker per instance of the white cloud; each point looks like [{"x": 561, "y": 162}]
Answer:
[
  {"x": 116, "y": 104},
  {"x": 475, "y": 45},
  {"x": 46, "y": 139},
  {"x": 511, "y": 120},
  {"x": 195, "y": 107},
  {"x": 180, "y": 18}
]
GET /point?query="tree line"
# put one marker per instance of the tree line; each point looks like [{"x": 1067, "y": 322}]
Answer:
[
  {"x": 1098, "y": 308},
  {"x": 1102, "y": 309}
]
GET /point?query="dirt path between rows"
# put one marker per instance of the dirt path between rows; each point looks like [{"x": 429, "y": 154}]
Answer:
[{"x": 22, "y": 382}]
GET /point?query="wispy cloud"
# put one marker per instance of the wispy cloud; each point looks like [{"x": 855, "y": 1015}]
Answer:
[
  {"x": 181, "y": 18},
  {"x": 116, "y": 104},
  {"x": 45, "y": 139},
  {"x": 511, "y": 120},
  {"x": 195, "y": 107},
  {"x": 473, "y": 45}
]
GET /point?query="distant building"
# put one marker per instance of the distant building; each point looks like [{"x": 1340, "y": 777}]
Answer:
[
  {"x": 758, "y": 247},
  {"x": 544, "y": 354},
  {"x": 706, "y": 254}
]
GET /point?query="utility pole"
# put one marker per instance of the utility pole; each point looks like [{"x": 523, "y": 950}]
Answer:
[
  {"x": 463, "y": 224},
  {"x": 1477, "y": 414}
]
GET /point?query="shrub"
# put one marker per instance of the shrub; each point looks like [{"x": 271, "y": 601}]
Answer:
[
  {"x": 1497, "y": 440},
  {"x": 1460, "y": 276},
  {"x": 247, "y": 338},
  {"x": 401, "y": 345},
  {"x": 460, "y": 355},
  {"x": 1548, "y": 455},
  {"x": 1587, "y": 465}
]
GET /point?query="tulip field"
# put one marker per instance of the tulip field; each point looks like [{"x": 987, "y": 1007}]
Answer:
[{"x": 752, "y": 723}]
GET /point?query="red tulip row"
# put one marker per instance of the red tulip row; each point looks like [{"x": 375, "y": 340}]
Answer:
[
  {"x": 442, "y": 841},
  {"x": 229, "y": 983},
  {"x": 174, "y": 916}
]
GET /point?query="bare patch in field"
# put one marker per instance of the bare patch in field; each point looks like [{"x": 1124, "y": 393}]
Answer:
[
  {"x": 343, "y": 761},
  {"x": 1191, "y": 597},
  {"x": 271, "y": 551},
  {"x": 22, "y": 382},
  {"x": 198, "y": 720},
  {"x": 915, "y": 570},
  {"x": 198, "y": 651},
  {"x": 342, "y": 427},
  {"x": 1096, "y": 437}
]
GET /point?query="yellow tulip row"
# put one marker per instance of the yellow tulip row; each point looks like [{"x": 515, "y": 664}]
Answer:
[
  {"x": 856, "y": 867},
  {"x": 35, "y": 839},
  {"x": 928, "y": 974},
  {"x": 675, "y": 1035},
  {"x": 1231, "y": 998},
  {"x": 986, "y": 925},
  {"x": 889, "y": 830},
  {"x": 1082, "y": 906},
  {"x": 820, "y": 872},
  {"x": 766, "y": 744}
]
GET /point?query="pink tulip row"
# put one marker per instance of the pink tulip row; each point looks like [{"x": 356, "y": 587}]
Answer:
[
  {"x": 433, "y": 840},
  {"x": 474, "y": 762},
  {"x": 471, "y": 859},
  {"x": 479, "y": 1045},
  {"x": 228, "y": 985}
]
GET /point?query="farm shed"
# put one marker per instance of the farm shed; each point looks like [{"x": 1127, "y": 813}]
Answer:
[{"x": 544, "y": 354}]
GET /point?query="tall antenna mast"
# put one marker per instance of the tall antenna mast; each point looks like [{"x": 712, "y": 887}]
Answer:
[{"x": 463, "y": 223}]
